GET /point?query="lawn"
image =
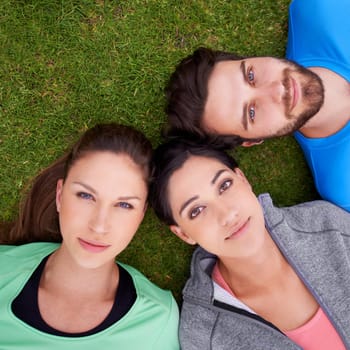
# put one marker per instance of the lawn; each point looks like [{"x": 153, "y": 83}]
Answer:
[{"x": 66, "y": 65}]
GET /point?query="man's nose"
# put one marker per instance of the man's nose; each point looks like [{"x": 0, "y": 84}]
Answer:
[{"x": 272, "y": 91}]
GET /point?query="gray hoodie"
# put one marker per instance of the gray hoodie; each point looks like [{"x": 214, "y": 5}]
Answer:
[{"x": 314, "y": 237}]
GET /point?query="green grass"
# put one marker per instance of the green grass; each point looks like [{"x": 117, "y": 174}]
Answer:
[{"x": 66, "y": 65}]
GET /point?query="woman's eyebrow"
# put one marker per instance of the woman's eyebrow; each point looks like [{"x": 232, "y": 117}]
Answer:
[
  {"x": 217, "y": 175},
  {"x": 127, "y": 198},
  {"x": 90, "y": 189},
  {"x": 190, "y": 200}
]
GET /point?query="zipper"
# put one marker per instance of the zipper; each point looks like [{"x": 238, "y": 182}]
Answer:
[
  {"x": 223, "y": 307},
  {"x": 308, "y": 286},
  {"x": 237, "y": 310}
]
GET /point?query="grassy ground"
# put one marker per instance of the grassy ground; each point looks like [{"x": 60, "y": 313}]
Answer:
[{"x": 66, "y": 65}]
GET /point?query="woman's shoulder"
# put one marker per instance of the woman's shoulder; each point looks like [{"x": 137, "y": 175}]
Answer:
[
  {"x": 27, "y": 251},
  {"x": 17, "y": 263},
  {"x": 318, "y": 216},
  {"x": 313, "y": 216}
]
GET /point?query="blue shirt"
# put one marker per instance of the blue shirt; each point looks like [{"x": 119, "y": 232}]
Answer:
[{"x": 319, "y": 36}]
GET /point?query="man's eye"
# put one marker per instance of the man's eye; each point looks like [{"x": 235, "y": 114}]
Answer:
[
  {"x": 195, "y": 212},
  {"x": 225, "y": 185},
  {"x": 125, "y": 205},
  {"x": 251, "y": 112},
  {"x": 84, "y": 195},
  {"x": 250, "y": 76}
]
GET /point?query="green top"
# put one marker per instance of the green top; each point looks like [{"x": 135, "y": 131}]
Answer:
[{"x": 151, "y": 323}]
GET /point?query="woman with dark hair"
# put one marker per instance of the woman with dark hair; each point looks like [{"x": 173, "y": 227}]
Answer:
[
  {"x": 262, "y": 277},
  {"x": 72, "y": 294}
]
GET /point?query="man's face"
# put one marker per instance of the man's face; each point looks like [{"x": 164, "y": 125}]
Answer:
[{"x": 261, "y": 97}]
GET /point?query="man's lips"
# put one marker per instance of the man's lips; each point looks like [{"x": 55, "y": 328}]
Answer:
[
  {"x": 294, "y": 94},
  {"x": 91, "y": 246},
  {"x": 239, "y": 230}
]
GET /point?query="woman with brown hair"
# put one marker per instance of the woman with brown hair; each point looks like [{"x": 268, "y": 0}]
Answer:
[{"x": 72, "y": 294}]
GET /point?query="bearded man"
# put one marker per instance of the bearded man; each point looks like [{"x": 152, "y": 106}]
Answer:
[{"x": 244, "y": 100}]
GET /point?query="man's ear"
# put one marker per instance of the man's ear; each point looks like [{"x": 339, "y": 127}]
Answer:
[
  {"x": 59, "y": 188},
  {"x": 252, "y": 143},
  {"x": 182, "y": 235}
]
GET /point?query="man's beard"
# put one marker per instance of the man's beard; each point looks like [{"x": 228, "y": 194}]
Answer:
[{"x": 312, "y": 96}]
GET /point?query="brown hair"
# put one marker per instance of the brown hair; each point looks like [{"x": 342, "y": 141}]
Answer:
[
  {"x": 38, "y": 218},
  {"x": 187, "y": 93},
  {"x": 171, "y": 156}
]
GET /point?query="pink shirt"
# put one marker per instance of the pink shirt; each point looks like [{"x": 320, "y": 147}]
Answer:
[{"x": 316, "y": 334}]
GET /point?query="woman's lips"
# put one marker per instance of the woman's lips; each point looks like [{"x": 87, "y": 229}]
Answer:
[
  {"x": 94, "y": 247},
  {"x": 239, "y": 231}
]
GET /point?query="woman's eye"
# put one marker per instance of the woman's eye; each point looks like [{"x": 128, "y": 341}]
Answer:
[
  {"x": 195, "y": 212},
  {"x": 225, "y": 185},
  {"x": 250, "y": 76},
  {"x": 251, "y": 112},
  {"x": 125, "y": 205},
  {"x": 84, "y": 195}
]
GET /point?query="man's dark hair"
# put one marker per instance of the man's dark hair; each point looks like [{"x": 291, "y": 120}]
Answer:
[{"x": 187, "y": 92}]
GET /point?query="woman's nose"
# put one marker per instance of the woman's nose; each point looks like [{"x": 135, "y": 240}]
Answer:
[
  {"x": 226, "y": 214},
  {"x": 99, "y": 222}
]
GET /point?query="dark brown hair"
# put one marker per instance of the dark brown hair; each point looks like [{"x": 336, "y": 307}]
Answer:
[
  {"x": 187, "y": 93},
  {"x": 38, "y": 218},
  {"x": 171, "y": 156}
]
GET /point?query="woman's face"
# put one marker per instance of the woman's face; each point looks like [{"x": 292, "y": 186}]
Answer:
[
  {"x": 101, "y": 205},
  {"x": 215, "y": 207}
]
